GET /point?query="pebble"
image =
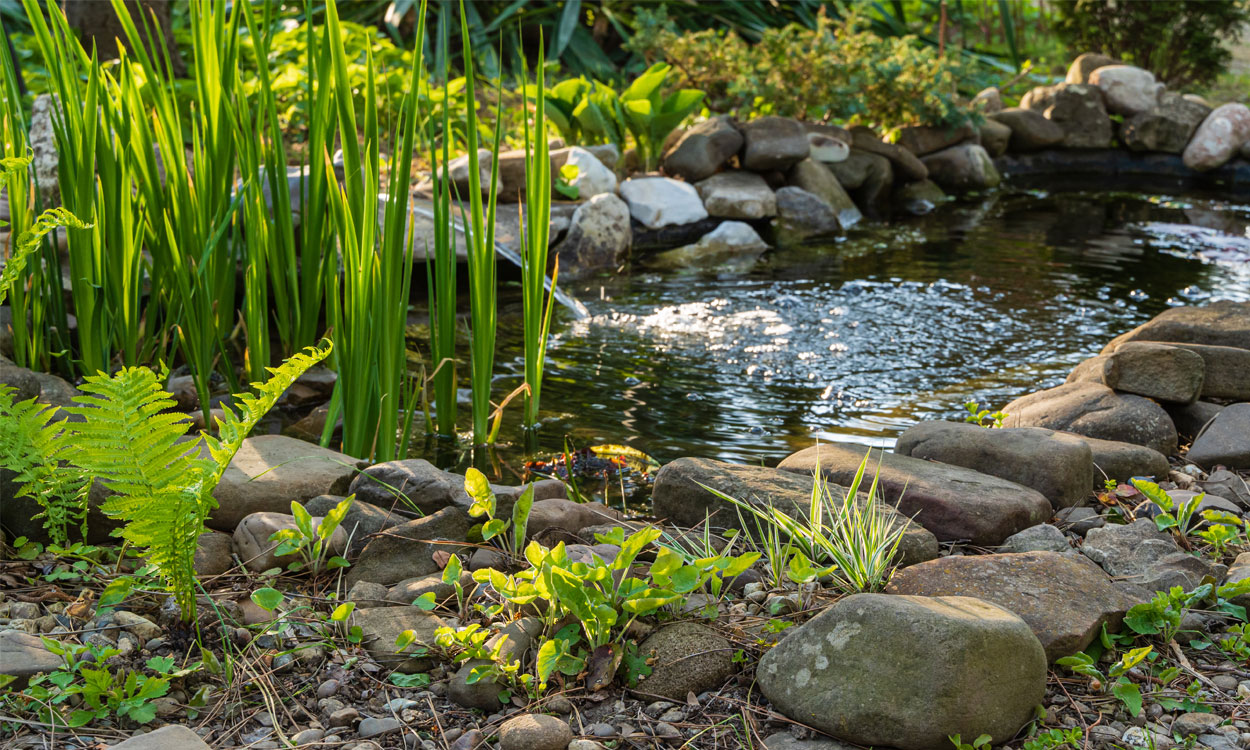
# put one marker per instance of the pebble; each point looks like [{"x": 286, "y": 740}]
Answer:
[
  {"x": 23, "y": 610},
  {"x": 399, "y": 704},
  {"x": 585, "y": 745},
  {"x": 308, "y": 736},
  {"x": 377, "y": 727},
  {"x": 1225, "y": 682},
  {"x": 535, "y": 732},
  {"x": 1217, "y": 741},
  {"x": 603, "y": 730},
  {"x": 327, "y": 688},
  {"x": 558, "y": 704},
  {"x": 344, "y": 717},
  {"x": 265, "y": 719},
  {"x": 469, "y": 740}
]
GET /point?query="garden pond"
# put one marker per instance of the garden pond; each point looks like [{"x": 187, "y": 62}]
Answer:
[{"x": 860, "y": 337}]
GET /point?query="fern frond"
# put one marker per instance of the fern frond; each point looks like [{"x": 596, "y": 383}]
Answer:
[
  {"x": 233, "y": 428},
  {"x": 28, "y": 243},
  {"x": 12, "y": 165},
  {"x": 131, "y": 442},
  {"x": 33, "y": 446}
]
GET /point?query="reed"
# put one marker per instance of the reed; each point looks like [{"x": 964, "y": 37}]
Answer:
[{"x": 441, "y": 269}]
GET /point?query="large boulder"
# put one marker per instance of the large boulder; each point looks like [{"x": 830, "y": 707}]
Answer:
[
  {"x": 702, "y": 149},
  {"x": 868, "y": 177},
  {"x": 1142, "y": 555},
  {"x": 1221, "y": 323},
  {"x": 1225, "y": 441},
  {"x": 737, "y": 195},
  {"x": 925, "y": 139},
  {"x": 1084, "y": 65},
  {"x": 658, "y": 202},
  {"x": 1224, "y": 368},
  {"x": 801, "y": 215},
  {"x": 962, "y": 168},
  {"x": 1079, "y": 110},
  {"x": 593, "y": 178},
  {"x": 411, "y": 484},
  {"x": 599, "y": 238},
  {"x": 270, "y": 471},
  {"x": 1097, "y": 411},
  {"x": 1191, "y": 418},
  {"x": 412, "y": 549},
  {"x": 681, "y": 497},
  {"x": 995, "y": 137},
  {"x": 362, "y": 521},
  {"x": 1129, "y": 90},
  {"x": 1123, "y": 461},
  {"x": 1055, "y": 464},
  {"x": 1158, "y": 371},
  {"x": 1030, "y": 130},
  {"x": 907, "y": 163},
  {"x": 685, "y": 658},
  {"x": 1065, "y": 598},
  {"x": 732, "y": 243},
  {"x": 773, "y": 143},
  {"x": 818, "y": 179},
  {"x": 908, "y": 671},
  {"x": 1167, "y": 128},
  {"x": 953, "y": 502},
  {"x": 1218, "y": 138}
]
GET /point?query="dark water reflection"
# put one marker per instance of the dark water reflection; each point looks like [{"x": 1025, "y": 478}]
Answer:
[{"x": 858, "y": 339}]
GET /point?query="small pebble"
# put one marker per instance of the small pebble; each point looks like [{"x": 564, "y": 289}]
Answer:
[
  {"x": 469, "y": 740},
  {"x": 377, "y": 727},
  {"x": 308, "y": 736},
  {"x": 327, "y": 688},
  {"x": 344, "y": 717}
]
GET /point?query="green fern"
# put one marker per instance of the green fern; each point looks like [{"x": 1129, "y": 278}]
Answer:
[
  {"x": 132, "y": 442},
  {"x": 33, "y": 447},
  {"x": 28, "y": 243}
]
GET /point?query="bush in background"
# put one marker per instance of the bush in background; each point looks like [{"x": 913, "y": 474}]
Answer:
[{"x": 1182, "y": 43}]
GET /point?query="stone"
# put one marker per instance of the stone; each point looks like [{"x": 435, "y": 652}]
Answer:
[
  {"x": 459, "y": 172},
  {"x": 787, "y": 741},
  {"x": 270, "y": 471},
  {"x": 825, "y": 148},
  {"x": 1084, "y": 65},
  {"x": 1129, "y": 90},
  {"x": 919, "y": 198},
  {"x": 409, "y": 550},
  {"x": 55, "y": 391},
  {"x": 1123, "y": 461},
  {"x": 1224, "y": 369},
  {"x": 1066, "y": 599},
  {"x": 213, "y": 554},
  {"x": 689, "y": 658},
  {"x": 1225, "y": 441},
  {"x": 925, "y": 139},
  {"x": 407, "y": 591},
  {"x": 773, "y": 143},
  {"x": 593, "y": 178},
  {"x": 953, "y": 502},
  {"x": 23, "y": 656},
  {"x": 679, "y": 495},
  {"x": 988, "y": 100},
  {"x": 608, "y": 154},
  {"x": 1218, "y": 138},
  {"x": 817, "y": 178},
  {"x": 907, "y": 671},
  {"x": 414, "y": 484},
  {"x": 1227, "y": 484},
  {"x": 1078, "y": 109},
  {"x": 1195, "y": 724},
  {"x": 567, "y": 518},
  {"x": 1079, "y": 520},
  {"x": 908, "y": 164},
  {"x": 1167, "y": 128},
  {"x": 702, "y": 149},
  {"x": 516, "y": 638},
  {"x": 1040, "y": 98},
  {"x": 41, "y": 139},
  {"x": 1237, "y": 572},
  {"x": 737, "y": 195},
  {"x": 731, "y": 244},
  {"x": 1040, "y": 538},
  {"x": 599, "y": 237},
  {"x": 535, "y": 732},
  {"x": 1145, "y": 557},
  {"x": 1095, "y": 411},
  {"x": 1030, "y": 130},
  {"x": 381, "y": 626},
  {"x": 257, "y": 552},
  {"x": 995, "y": 137},
  {"x": 362, "y": 521},
  {"x": 377, "y": 727},
  {"x": 168, "y": 737},
  {"x": 1154, "y": 370},
  {"x": 512, "y": 167},
  {"x": 1191, "y": 418},
  {"x": 1056, "y": 465},
  {"x": 962, "y": 168},
  {"x": 868, "y": 178},
  {"x": 22, "y": 380},
  {"x": 1221, "y": 323},
  {"x": 368, "y": 593},
  {"x": 658, "y": 202},
  {"x": 802, "y": 215}
]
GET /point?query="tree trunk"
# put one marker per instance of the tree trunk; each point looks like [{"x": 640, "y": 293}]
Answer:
[{"x": 97, "y": 23}]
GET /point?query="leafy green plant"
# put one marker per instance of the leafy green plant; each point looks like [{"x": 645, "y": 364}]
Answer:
[
  {"x": 650, "y": 117},
  {"x": 1116, "y": 678},
  {"x": 980, "y": 742},
  {"x": 312, "y": 543},
  {"x": 1224, "y": 530},
  {"x": 34, "y": 447},
  {"x": 1054, "y": 738},
  {"x": 1177, "y": 518},
  {"x": 484, "y": 504},
  {"x": 977, "y": 416},
  {"x": 857, "y": 539}
]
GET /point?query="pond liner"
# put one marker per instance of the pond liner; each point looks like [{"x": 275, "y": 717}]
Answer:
[{"x": 1072, "y": 169}]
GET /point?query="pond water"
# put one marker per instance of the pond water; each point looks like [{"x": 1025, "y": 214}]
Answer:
[{"x": 857, "y": 339}]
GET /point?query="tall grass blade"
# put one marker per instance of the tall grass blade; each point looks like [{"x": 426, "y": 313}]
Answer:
[{"x": 535, "y": 229}]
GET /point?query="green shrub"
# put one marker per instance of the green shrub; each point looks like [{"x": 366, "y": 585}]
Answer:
[
  {"x": 1183, "y": 43},
  {"x": 841, "y": 72}
]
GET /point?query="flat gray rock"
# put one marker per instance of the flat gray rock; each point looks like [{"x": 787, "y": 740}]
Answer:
[
  {"x": 1096, "y": 411},
  {"x": 171, "y": 737},
  {"x": 1225, "y": 441}
]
